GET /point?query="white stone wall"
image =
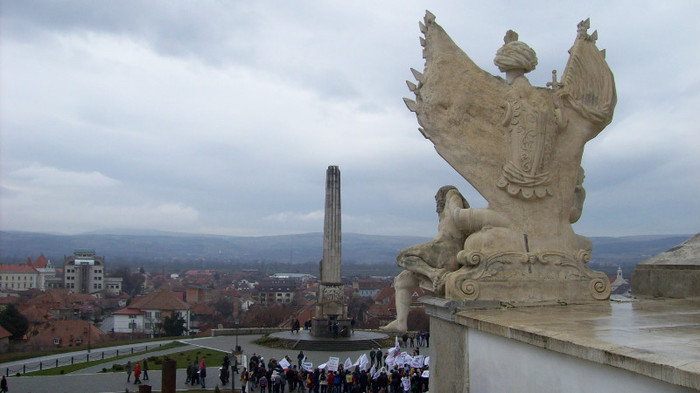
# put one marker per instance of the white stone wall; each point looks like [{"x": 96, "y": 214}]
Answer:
[
  {"x": 19, "y": 281},
  {"x": 497, "y": 364}
]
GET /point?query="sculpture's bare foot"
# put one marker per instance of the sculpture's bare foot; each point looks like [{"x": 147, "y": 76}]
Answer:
[
  {"x": 439, "y": 281},
  {"x": 395, "y": 326}
]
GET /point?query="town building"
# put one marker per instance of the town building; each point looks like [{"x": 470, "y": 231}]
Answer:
[
  {"x": 273, "y": 290},
  {"x": 85, "y": 272},
  {"x": 18, "y": 277},
  {"x": 145, "y": 314},
  {"x": 45, "y": 269},
  {"x": 370, "y": 288}
]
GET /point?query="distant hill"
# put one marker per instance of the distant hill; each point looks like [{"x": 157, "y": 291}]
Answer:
[
  {"x": 295, "y": 249},
  {"x": 164, "y": 246}
]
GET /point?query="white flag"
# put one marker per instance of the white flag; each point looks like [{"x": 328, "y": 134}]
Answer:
[
  {"x": 427, "y": 361},
  {"x": 348, "y": 364},
  {"x": 364, "y": 362}
]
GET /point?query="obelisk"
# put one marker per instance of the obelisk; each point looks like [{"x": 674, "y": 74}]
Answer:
[
  {"x": 332, "y": 250},
  {"x": 331, "y": 309}
]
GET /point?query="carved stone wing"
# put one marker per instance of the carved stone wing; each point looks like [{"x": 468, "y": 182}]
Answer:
[
  {"x": 588, "y": 85},
  {"x": 459, "y": 107}
]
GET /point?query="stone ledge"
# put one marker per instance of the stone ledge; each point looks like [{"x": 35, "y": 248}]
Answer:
[{"x": 655, "y": 338}]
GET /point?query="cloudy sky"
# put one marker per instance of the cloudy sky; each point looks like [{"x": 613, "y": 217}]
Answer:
[{"x": 221, "y": 117}]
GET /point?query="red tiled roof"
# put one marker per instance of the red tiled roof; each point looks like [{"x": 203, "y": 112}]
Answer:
[
  {"x": 35, "y": 314},
  {"x": 129, "y": 311},
  {"x": 15, "y": 300},
  {"x": 16, "y": 268},
  {"x": 41, "y": 262},
  {"x": 202, "y": 309},
  {"x": 160, "y": 300},
  {"x": 384, "y": 293},
  {"x": 68, "y": 331}
]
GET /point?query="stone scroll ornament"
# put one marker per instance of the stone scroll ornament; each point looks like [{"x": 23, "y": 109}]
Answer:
[{"x": 520, "y": 147}]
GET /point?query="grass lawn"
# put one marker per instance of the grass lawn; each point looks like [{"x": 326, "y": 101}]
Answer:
[{"x": 79, "y": 366}]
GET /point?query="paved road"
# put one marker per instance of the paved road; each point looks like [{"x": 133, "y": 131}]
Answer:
[
  {"x": 90, "y": 381},
  {"x": 80, "y": 357}
]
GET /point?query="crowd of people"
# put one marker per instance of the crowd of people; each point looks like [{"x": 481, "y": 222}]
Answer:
[{"x": 383, "y": 372}]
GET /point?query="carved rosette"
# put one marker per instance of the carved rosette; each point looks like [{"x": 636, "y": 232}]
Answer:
[{"x": 600, "y": 288}]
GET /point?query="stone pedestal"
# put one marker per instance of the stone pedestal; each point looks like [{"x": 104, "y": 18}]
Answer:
[
  {"x": 643, "y": 346},
  {"x": 320, "y": 327}
]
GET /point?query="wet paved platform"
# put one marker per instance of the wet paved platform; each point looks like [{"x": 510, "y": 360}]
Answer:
[
  {"x": 358, "y": 340},
  {"x": 658, "y": 338}
]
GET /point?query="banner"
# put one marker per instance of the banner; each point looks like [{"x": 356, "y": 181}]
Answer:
[
  {"x": 284, "y": 364},
  {"x": 308, "y": 366},
  {"x": 403, "y": 359},
  {"x": 418, "y": 361},
  {"x": 332, "y": 363}
]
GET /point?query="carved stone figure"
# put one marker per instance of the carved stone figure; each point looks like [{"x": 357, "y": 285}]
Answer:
[{"x": 520, "y": 146}]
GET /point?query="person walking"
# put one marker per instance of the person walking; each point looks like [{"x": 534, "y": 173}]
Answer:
[
  {"x": 127, "y": 368},
  {"x": 202, "y": 373},
  {"x": 3, "y": 385},
  {"x": 189, "y": 372},
  {"x": 145, "y": 369},
  {"x": 137, "y": 374},
  {"x": 244, "y": 380}
]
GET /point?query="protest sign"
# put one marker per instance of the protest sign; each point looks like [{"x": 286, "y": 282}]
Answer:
[
  {"x": 308, "y": 366},
  {"x": 332, "y": 363},
  {"x": 284, "y": 364},
  {"x": 348, "y": 364}
]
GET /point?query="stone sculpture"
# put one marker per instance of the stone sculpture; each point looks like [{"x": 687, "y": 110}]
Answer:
[{"x": 520, "y": 147}]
